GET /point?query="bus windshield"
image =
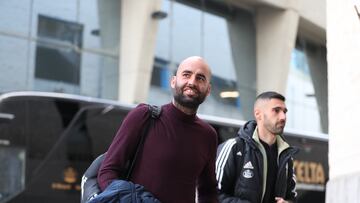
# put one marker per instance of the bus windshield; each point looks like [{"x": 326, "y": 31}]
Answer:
[{"x": 12, "y": 167}]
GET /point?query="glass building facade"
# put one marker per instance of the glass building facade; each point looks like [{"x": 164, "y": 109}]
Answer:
[
  {"x": 57, "y": 46},
  {"x": 189, "y": 31},
  {"x": 72, "y": 46}
]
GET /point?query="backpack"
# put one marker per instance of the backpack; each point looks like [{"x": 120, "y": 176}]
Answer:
[{"x": 89, "y": 185}]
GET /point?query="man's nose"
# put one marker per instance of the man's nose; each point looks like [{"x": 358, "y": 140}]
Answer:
[
  {"x": 282, "y": 116},
  {"x": 191, "y": 80}
]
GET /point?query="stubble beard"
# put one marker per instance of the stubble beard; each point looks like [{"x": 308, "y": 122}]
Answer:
[
  {"x": 274, "y": 128},
  {"x": 186, "y": 101}
]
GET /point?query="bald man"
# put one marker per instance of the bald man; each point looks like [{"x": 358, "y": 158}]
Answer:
[
  {"x": 179, "y": 152},
  {"x": 257, "y": 166}
]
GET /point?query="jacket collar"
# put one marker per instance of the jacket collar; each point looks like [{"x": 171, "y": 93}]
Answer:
[
  {"x": 246, "y": 133},
  {"x": 249, "y": 133}
]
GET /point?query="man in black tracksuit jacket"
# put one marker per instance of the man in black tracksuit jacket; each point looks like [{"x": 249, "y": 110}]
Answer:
[{"x": 254, "y": 167}]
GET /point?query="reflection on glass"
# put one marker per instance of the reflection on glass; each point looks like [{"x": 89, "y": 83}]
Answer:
[
  {"x": 12, "y": 176},
  {"x": 303, "y": 111},
  {"x": 76, "y": 46},
  {"x": 189, "y": 31},
  {"x": 57, "y": 55}
]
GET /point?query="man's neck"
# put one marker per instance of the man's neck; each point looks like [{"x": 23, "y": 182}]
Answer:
[
  {"x": 266, "y": 137},
  {"x": 186, "y": 110}
]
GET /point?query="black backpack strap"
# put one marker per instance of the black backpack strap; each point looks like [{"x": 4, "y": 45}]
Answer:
[{"x": 154, "y": 113}]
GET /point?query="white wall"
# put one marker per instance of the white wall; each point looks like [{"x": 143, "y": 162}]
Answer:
[{"x": 343, "y": 43}]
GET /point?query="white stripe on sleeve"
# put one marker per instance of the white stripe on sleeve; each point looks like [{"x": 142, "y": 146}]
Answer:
[{"x": 222, "y": 158}]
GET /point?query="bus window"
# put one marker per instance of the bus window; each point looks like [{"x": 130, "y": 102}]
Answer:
[
  {"x": 103, "y": 127},
  {"x": 12, "y": 176},
  {"x": 6, "y": 117},
  {"x": 12, "y": 125},
  {"x": 93, "y": 132},
  {"x": 225, "y": 132},
  {"x": 12, "y": 150},
  {"x": 44, "y": 123}
]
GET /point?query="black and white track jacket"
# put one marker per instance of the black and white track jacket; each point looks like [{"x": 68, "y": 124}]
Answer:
[{"x": 240, "y": 168}]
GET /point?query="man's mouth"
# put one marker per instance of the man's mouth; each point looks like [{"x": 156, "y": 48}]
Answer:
[
  {"x": 190, "y": 91},
  {"x": 281, "y": 124}
]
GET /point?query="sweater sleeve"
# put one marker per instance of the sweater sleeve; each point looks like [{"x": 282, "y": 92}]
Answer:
[
  {"x": 226, "y": 172},
  {"x": 122, "y": 147},
  {"x": 291, "y": 190},
  {"x": 207, "y": 180}
]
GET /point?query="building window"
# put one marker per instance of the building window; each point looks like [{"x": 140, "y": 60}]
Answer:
[
  {"x": 57, "y": 50},
  {"x": 225, "y": 91},
  {"x": 215, "y": 33},
  {"x": 161, "y": 74}
]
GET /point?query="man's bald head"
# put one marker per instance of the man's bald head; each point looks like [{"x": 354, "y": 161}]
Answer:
[
  {"x": 191, "y": 84},
  {"x": 195, "y": 61}
]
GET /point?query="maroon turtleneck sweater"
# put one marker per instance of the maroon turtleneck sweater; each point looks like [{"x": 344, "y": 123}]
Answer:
[{"x": 178, "y": 155}]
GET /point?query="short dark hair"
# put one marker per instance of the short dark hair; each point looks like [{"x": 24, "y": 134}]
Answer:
[{"x": 270, "y": 95}]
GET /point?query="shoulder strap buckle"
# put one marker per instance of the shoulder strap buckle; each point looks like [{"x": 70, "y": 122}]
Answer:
[{"x": 155, "y": 111}]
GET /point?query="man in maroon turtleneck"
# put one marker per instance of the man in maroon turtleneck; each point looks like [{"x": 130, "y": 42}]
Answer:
[{"x": 179, "y": 152}]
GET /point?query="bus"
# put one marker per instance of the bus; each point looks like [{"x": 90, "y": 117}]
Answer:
[{"x": 47, "y": 141}]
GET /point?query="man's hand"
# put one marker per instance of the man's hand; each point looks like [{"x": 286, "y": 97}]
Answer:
[{"x": 280, "y": 200}]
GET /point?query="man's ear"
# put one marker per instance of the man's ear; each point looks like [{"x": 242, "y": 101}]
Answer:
[
  {"x": 257, "y": 114},
  {"x": 173, "y": 81},
  {"x": 208, "y": 90}
]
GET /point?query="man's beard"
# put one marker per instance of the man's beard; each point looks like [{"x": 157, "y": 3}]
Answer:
[
  {"x": 186, "y": 101},
  {"x": 273, "y": 128}
]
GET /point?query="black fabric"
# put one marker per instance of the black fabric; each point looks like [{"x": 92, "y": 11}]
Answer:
[
  {"x": 154, "y": 112},
  {"x": 271, "y": 154},
  {"x": 241, "y": 182}
]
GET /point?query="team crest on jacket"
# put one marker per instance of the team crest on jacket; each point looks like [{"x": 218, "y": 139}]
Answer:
[{"x": 248, "y": 173}]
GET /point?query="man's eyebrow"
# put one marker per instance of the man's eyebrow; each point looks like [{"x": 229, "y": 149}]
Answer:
[
  {"x": 279, "y": 107},
  {"x": 202, "y": 75},
  {"x": 186, "y": 71}
]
